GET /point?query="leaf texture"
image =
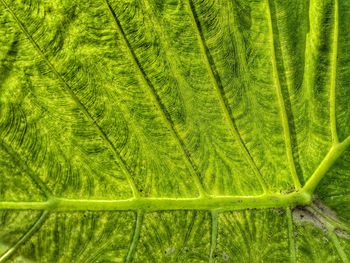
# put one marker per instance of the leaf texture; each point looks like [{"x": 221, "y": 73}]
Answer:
[{"x": 174, "y": 131}]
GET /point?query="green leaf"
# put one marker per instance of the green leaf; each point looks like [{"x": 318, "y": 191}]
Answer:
[{"x": 175, "y": 131}]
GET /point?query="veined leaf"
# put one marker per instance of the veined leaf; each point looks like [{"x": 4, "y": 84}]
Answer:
[{"x": 174, "y": 131}]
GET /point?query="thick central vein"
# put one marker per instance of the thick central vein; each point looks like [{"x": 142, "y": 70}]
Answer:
[{"x": 217, "y": 203}]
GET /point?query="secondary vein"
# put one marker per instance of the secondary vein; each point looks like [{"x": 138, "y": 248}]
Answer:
[
  {"x": 25, "y": 168},
  {"x": 136, "y": 237},
  {"x": 209, "y": 63},
  {"x": 158, "y": 103},
  {"x": 331, "y": 157},
  {"x": 337, "y": 245},
  {"x": 31, "y": 231},
  {"x": 80, "y": 105},
  {"x": 214, "y": 235},
  {"x": 283, "y": 111},
  {"x": 291, "y": 236},
  {"x": 332, "y": 95},
  {"x": 331, "y": 225}
]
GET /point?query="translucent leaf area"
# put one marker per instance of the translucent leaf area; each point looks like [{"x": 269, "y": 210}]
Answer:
[{"x": 174, "y": 131}]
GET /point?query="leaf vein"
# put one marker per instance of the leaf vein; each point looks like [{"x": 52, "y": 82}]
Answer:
[
  {"x": 136, "y": 237},
  {"x": 25, "y": 168},
  {"x": 31, "y": 231},
  {"x": 332, "y": 96},
  {"x": 334, "y": 153},
  {"x": 209, "y": 62},
  {"x": 337, "y": 245},
  {"x": 291, "y": 236},
  {"x": 214, "y": 236}
]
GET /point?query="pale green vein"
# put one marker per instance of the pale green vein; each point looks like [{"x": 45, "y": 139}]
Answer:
[
  {"x": 337, "y": 244},
  {"x": 136, "y": 237},
  {"x": 214, "y": 235},
  {"x": 217, "y": 203},
  {"x": 26, "y": 169},
  {"x": 283, "y": 111},
  {"x": 32, "y": 230},
  {"x": 209, "y": 63},
  {"x": 332, "y": 96},
  {"x": 291, "y": 236},
  {"x": 332, "y": 156},
  {"x": 81, "y": 106},
  {"x": 158, "y": 103},
  {"x": 308, "y": 79}
]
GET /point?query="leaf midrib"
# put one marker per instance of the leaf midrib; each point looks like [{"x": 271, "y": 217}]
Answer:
[{"x": 217, "y": 203}]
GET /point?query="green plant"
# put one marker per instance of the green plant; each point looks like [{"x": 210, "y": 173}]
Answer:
[{"x": 174, "y": 131}]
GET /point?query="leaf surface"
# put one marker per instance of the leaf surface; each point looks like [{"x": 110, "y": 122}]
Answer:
[{"x": 174, "y": 131}]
